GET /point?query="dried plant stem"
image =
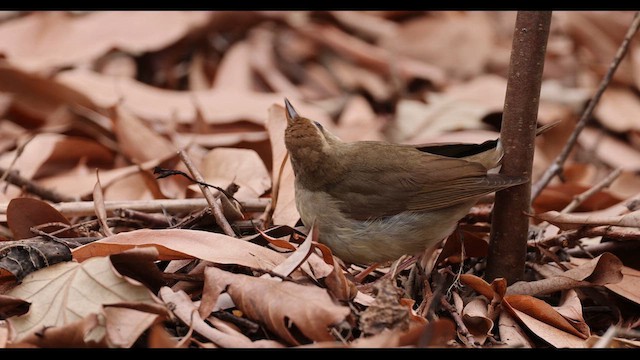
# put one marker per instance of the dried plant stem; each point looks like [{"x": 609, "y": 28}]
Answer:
[
  {"x": 579, "y": 199},
  {"x": 509, "y": 225},
  {"x": 557, "y": 165},
  {"x": 569, "y": 239},
  {"x": 13, "y": 178},
  {"x": 216, "y": 209},
  {"x": 582, "y": 197},
  {"x": 86, "y": 208},
  {"x": 462, "y": 328}
]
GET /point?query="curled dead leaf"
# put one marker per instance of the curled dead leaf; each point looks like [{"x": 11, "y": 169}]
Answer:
[{"x": 297, "y": 313}]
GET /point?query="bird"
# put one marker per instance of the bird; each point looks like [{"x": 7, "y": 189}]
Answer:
[{"x": 375, "y": 201}]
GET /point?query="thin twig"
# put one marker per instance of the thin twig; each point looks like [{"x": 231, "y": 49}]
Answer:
[
  {"x": 86, "y": 208},
  {"x": 13, "y": 178},
  {"x": 557, "y": 165},
  {"x": 579, "y": 199},
  {"x": 462, "y": 328},
  {"x": 582, "y": 197},
  {"x": 216, "y": 208},
  {"x": 568, "y": 239}
]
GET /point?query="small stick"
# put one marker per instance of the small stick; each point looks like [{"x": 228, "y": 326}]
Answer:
[
  {"x": 216, "y": 209},
  {"x": 556, "y": 167},
  {"x": 464, "y": 331},
  {"x": 86, "y": 208},
  {"x": 13, "y": 178},
  {"x": 568, "y": 238},
  {"x": 579, "y": 199},
  {"x": 582, "y": 197}
]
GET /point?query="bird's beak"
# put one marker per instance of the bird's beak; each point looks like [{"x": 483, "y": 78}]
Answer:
[{"x": 291, "y": 112}]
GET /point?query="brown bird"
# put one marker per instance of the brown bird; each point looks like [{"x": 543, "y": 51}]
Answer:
[{"x": 375, "y": 201}]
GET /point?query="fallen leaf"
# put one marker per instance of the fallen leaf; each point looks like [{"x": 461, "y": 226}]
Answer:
[
  {"x": 42, "y": 40},
  {"x": 416, "y": 121},
  {"x": 602, "y": 270},
  {"x": 25, "y": 213},
  {"x": 627, "y": 287},
  {"x": 511, "y": 333},
  {"x": 64, "y": 293},
  {"x": 234, "y": 70},
  {"x": 541, "y": 312},
  {"x": 475, "y": 317},
  {"x": 137, "y": 141},
  {"x": 285, "y": 211},
  {"x": 297, "y": 313},
  {"x": 98, "y": 204},
  {"x": 124, "y": 326},
  {"x": 429, "y": 39},
  {"x": 549, "y": 333},
  {"x": 84, "y": 332},
  {"x": 222, "y": 166},
  {"x": 183, "y": 244},
  {"x": 613, "y": 152},
  {"x": 618, "y": 109},
  {"x": 51, "y": 152},
  {"x": 558, "y": 196},
  {"x": 12, "y": 306},
  {"x": 22, "y": 257}
]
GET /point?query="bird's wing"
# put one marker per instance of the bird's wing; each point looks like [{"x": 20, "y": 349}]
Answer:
[{"x": 377, "y": 187}]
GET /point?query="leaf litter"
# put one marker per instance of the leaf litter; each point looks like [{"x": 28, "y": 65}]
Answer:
[{"x": 80, "y": 103}]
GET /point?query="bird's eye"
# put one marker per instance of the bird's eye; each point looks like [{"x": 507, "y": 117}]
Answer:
[{"x": 318, "y": 125}]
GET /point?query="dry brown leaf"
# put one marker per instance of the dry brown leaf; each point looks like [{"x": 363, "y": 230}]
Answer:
[
  {"x": 284, "y": 306},
  {"x": 574, "y": 221},
  {"x": 234, "y": 70},
  {"x": 541, "y": 312},
  {"x": 217, "y": 106},
  {"x": 159, "y": 337},
  {"x": 334, "y": 277},
  {"x": 429, "y": 39},
  {"x": 416, "y": 121},
  {"x": 25, "y": 213},
  {"x": 613, "y": 152},
  {"x": 134, "y": 187},
  {"x": 475, "y": 317},
  {"x": 369, "y": 25},
  {"x": 43, "y": 40},
  {"x": 628, "y": 287},
  {"x": 358, "y": 122},
  {"x": 571, "y": 309},
  {"x": 602, "y": 270},
  {"x": 11, "y": 306},
  {"x": 36, "y": 97},
  {"x": 619, "y": 109},
  {"x": 557, "y": 196},
  {"x": 50, "y": 152},
  {"x": 285, "y": 211},
  {"x": 98, "y": 205},
  {"x": 85, "y": 332},
  {"x": 511, "y": 333},
  {"x": 222, "y": 166},
  {"x": 66, "y": 292},
  {"x": 183, "y": 244},
  {"x": 124, "y": 326},
  {"x": 262, "y": 59},
  {"x": 550, "y": 334},
  {"x": 80, "y": 181},
  {"x": 373, "y": 57},
  {"x": 137, "y": 141}
]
